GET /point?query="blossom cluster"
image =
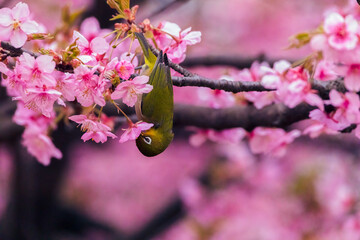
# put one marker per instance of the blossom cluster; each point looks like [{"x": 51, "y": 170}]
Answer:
[
  {"x": 257, "y": 190},
  {"x": 309, "y": 193},
  {"x": 335, "y": 56},
  {"x": 47, "y": 94}
]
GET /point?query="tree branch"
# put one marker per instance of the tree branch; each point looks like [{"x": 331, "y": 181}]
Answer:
[
  {"x": 191, "y": 79},
  {"x": 323, "y": 88},
  {"x": 174, "y": 66},
  {"x": 11, "y": 51},
  {"x": 247, "y": 117},
  {"x": 231, "y": 61},
  {"x": 222, "y": 84}
]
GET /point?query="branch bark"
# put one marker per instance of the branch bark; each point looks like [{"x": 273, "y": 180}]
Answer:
[
  {"x": 247, "y": 117},
  {"x": 231, "y": 61},
  {"x": 191, "y": 79}
]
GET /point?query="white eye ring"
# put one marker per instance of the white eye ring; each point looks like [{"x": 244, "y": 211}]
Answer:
[{"x": 147, "y": 140}]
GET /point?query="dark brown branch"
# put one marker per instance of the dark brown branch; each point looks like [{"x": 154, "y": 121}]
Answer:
[
  {"x": 231, "y": 61},
  {"x": 222, "y": 84},
  {"x": 247, "y": 117},
  {"x": 323, "y": 88},
  {"x": 174, "y": 66},
  {"x": 191, "y": 79},
  {"x": 11, "y": 51}
]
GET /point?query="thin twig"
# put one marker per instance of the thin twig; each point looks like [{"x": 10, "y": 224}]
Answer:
[
  {"x": 222, "y": 84},
  {"x": 174, "y": 66}
]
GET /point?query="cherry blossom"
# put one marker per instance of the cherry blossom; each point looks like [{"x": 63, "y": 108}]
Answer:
[
  {"x": 128, "y": 91},
  {"x": 65, "y": 84},
  {"x": 125, "y": 69},
  {"x": 234, "y": 135},
  {"x": 90, "y": 49},
  {"x": 174, "y": 41},
  {"x": 40, "y": 145},
  {"x": 325, "y": 71},
  {"x": 89, "y": 86},
  {"x": 348, "y": 106},
  {"x": 216, "y": 98},
  {"x": 254, "y": 74},
  {"x": 342, "y": 32},
  {"x": 134, "y": 130},
  {"x": 37, "y": 71},
  {"x": 351, "y": 75},
  {"x": 13, "y": 82},
  {"x": 296, "y": 89},
  {"x": 28, "y": 118},
  {"x": 271, "y": 140},
  {"x": 90, "y": 29},
  {"x": 41, "y": 100},
  {"x": 273, "y": 77},
  {"x": 94, "y": 130},
  {"x": 15, "y": 24}
]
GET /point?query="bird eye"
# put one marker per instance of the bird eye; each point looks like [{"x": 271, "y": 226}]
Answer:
[{"x": 147, "y": 140}]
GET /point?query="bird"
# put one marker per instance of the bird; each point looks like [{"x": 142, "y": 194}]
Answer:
[{"x": 157, "y": 106}]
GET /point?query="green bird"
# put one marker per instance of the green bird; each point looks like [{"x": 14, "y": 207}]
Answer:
[{"x": 157, "y": 106}]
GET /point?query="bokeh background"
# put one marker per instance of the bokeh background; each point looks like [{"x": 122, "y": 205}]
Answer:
[{"x": 217, "y": 191}]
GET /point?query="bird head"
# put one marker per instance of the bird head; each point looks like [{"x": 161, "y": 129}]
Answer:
[{"x": 153, "y": 141}]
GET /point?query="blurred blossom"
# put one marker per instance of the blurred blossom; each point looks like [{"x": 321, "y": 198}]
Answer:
[
  {"x": 309, "y": 192},
  {"x": 119, "y": 186},
  {"x": 271, "y": 140}
]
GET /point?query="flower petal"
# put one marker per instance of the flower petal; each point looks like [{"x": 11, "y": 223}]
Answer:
[{"x": 18, "y": 38}]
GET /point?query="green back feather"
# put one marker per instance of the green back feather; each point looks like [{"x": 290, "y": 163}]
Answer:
[
  {"x": 150, "y": 58},
  {"x": 158, "y": 105}
]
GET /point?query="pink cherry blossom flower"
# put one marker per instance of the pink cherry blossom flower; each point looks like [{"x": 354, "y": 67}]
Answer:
[
  {"x": 296, "y": 89},
  {"x": 174, "y": 41},
  {"x": 89, "y": 87},
  {"x": 272, "y": 77},
  {"x": 13, "y": 81},
  {"x": 15, "y": 24},
  {"x": 342, "y": 32},
  {"x": 323, "y": 123},
  {"x": 129, "y": 90},
  {"x": 319, "y": 42},
  {"x": 90, "y": 29},
  {"x": 40, "y": 145},
  {"x": 216, "y": 98},
  {"x": 95, "y": 130},
  {"x": 233, "y": 135},
  {"x": 125, "y": 69},
  {"x": 326, "y": 119},
  {"x": 37, "y": 72},
  {"x": 27, "y": 117},
  {"x": 271, "y": 140},
  {"x": 130, "y": 57},
  {"x": 351, "y": 73},
  {"x": 65, "y": 84},
  {"x": 347, "y": 107},
  {"x": 89, "y": 50},
  {"x": 41, "y": 100},
  {"x": 254, "y": 74},
  {"x": 316, "y": 129},
  {"x": 134, "y": 131},
  {"x": 325, "y": 71}
]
